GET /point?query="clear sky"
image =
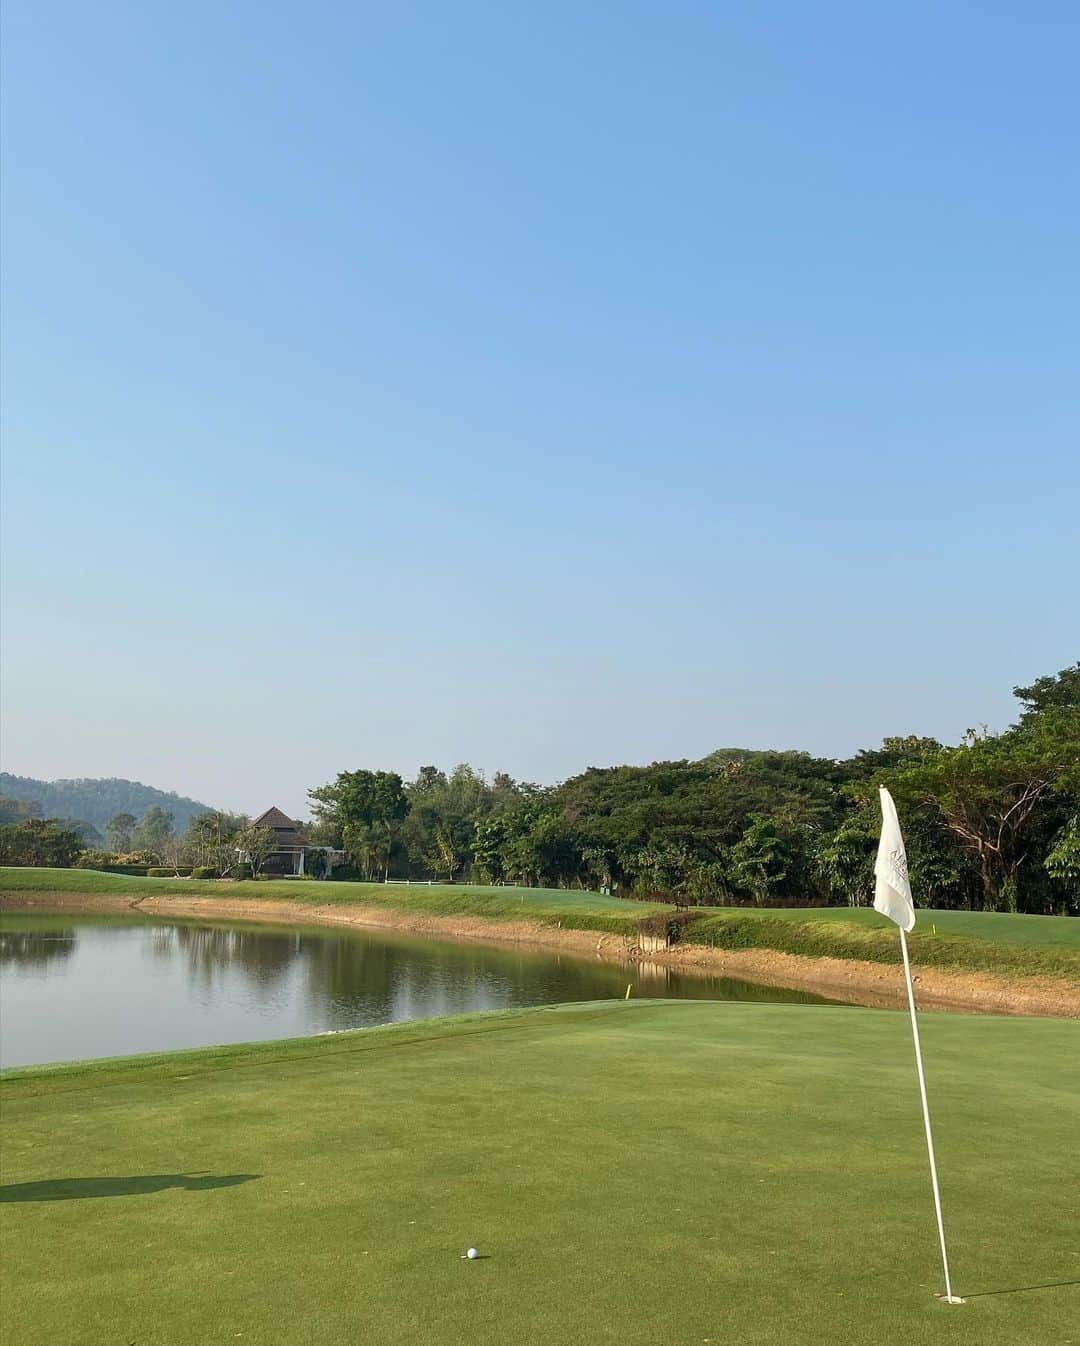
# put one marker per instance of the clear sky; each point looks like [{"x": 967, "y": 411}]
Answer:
[{"x": 541, "y": 385}]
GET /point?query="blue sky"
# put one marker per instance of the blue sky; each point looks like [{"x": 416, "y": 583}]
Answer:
[{"x": 540, "y": 385}]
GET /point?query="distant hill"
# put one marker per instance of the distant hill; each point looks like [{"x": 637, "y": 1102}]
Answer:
[{"x": 97, "y": 801}]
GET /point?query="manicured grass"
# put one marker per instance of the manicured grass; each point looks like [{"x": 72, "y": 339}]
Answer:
[
  {"x": 634, "y": 1174},
  {"x": 583, "y": 910},
  {"x": 874, "y": 939},
  {"x": 1012, "y": 945},
  {"x": 1061, "y": 932}
]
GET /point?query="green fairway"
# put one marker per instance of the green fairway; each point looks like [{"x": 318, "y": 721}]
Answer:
[{"x": 634, "y": 1174}]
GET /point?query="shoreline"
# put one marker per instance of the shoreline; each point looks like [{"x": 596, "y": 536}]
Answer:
[{"x": 876, "y": 985}]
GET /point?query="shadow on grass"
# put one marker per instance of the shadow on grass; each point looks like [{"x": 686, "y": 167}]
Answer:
[
  {"x": 1019, "y": 1289},
  {"x": 78, "y": 1189}
]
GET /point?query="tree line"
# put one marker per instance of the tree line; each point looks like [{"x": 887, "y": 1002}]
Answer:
[{"x": 992, "y": 823}]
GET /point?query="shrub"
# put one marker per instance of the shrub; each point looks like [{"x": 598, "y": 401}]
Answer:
[
  {"x": 204, "y": 872},
  {"x": 104, "y": 862},
  {"x": 97, "y": 860},
  {"x": 164, "y": 872}
]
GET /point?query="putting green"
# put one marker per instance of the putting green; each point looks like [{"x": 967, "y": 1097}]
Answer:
[{"x": 634, "y": 1174}]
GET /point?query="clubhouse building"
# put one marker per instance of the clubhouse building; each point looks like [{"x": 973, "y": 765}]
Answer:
[{"x": 294, "y": 854}]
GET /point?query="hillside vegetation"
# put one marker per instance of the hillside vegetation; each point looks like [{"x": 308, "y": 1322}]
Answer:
[{"x": 98, "y": 801}]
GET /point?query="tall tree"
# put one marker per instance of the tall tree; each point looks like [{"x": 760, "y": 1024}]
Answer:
[
  {"x": 999, "y": 795},
  {"x": 256, "y": 845},
  {"x": 153, "y": 831},
  {"x": 211, "y": 839},
  {"x": 365, "y": 809},
  {"x": 119, "y": 830}
]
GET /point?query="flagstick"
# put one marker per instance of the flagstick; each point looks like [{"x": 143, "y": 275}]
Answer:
[{"x": 950, "y": 1298}]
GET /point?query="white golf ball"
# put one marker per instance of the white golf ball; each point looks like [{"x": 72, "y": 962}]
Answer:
[{"x": 471, "y": 1254}]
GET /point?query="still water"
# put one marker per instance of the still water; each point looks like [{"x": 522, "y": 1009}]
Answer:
[{"x": 82, "y": 986}]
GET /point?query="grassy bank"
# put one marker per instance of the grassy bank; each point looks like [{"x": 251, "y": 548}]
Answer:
[
  {"x": 582, "y": 910},
  {"x": 633, "y": 1174},
  {"x": 978, "y": 941},
  {"x": 1011, "y": 955}
]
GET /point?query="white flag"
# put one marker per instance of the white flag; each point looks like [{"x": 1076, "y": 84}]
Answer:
[{"x": 892, "y": 894}]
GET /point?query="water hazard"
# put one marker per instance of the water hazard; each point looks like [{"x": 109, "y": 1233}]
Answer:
[{"x": 82, "y": 986}]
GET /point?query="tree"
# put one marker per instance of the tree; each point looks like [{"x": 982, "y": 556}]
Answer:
[
  {"x": 1060, "y": 691},
  {"x": 997, "y": 794},
  {"x": 211, "y": 839},
  {"x": 153, "y": 831},
  {"x": 772, "y": 859},
  {"x": 428, "y": 778},
  {"x": 599, "y": 865},
  {"x": 662, "y": 866},
  {"x": 87, "y": 831},
  {"x": 171, "y": 850},
  {"x": 898, "y": 750},
  {"x": 39, "y": 842},
  {"x": 1063, "y": 864},
  {"x": 446, "y": 855},
  {"x": 119, "y": 830},
  {"x": 256, "y": 845},
  {"x": 440, "y": 830},
  {"x": 845, "y": 859},
  {"x": 361, "y": 797},
  {"x": 489, "y": 838}
]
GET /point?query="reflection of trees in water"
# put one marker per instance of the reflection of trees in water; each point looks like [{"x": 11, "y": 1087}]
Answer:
[
  {"x": 36, "y": 948},
  {"x": 351, "y": 978},
  {"x": 355, "y": 979},
  {"x": 211, "y": 952}
]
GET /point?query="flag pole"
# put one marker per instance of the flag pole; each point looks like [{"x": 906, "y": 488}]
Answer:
[{"x": 950, "y": 1298}]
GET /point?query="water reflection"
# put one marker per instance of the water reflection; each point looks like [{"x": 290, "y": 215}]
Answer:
[
  {"x": 96, "y": 986},
  {"x": 35, "y": 948}
]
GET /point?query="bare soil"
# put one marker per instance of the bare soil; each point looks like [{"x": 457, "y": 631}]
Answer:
[{"x": 863, "y": 983}]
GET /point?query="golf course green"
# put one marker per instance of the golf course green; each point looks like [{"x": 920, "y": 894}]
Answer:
[{"x": 635, "y": 1173}]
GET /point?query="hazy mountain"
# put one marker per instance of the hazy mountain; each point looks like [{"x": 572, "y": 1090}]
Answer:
[{"x": 97, "y": 801}]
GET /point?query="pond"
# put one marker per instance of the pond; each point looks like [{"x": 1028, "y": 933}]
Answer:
[{"x": 74, "y": 986}]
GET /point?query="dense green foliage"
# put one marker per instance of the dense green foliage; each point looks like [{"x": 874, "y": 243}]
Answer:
[
  {"x": 98, "y": 801},
  {"x": 991, "y": 823},
  {"x": 633, "y": 1174},
  {"x": 39, "y": 841}
]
